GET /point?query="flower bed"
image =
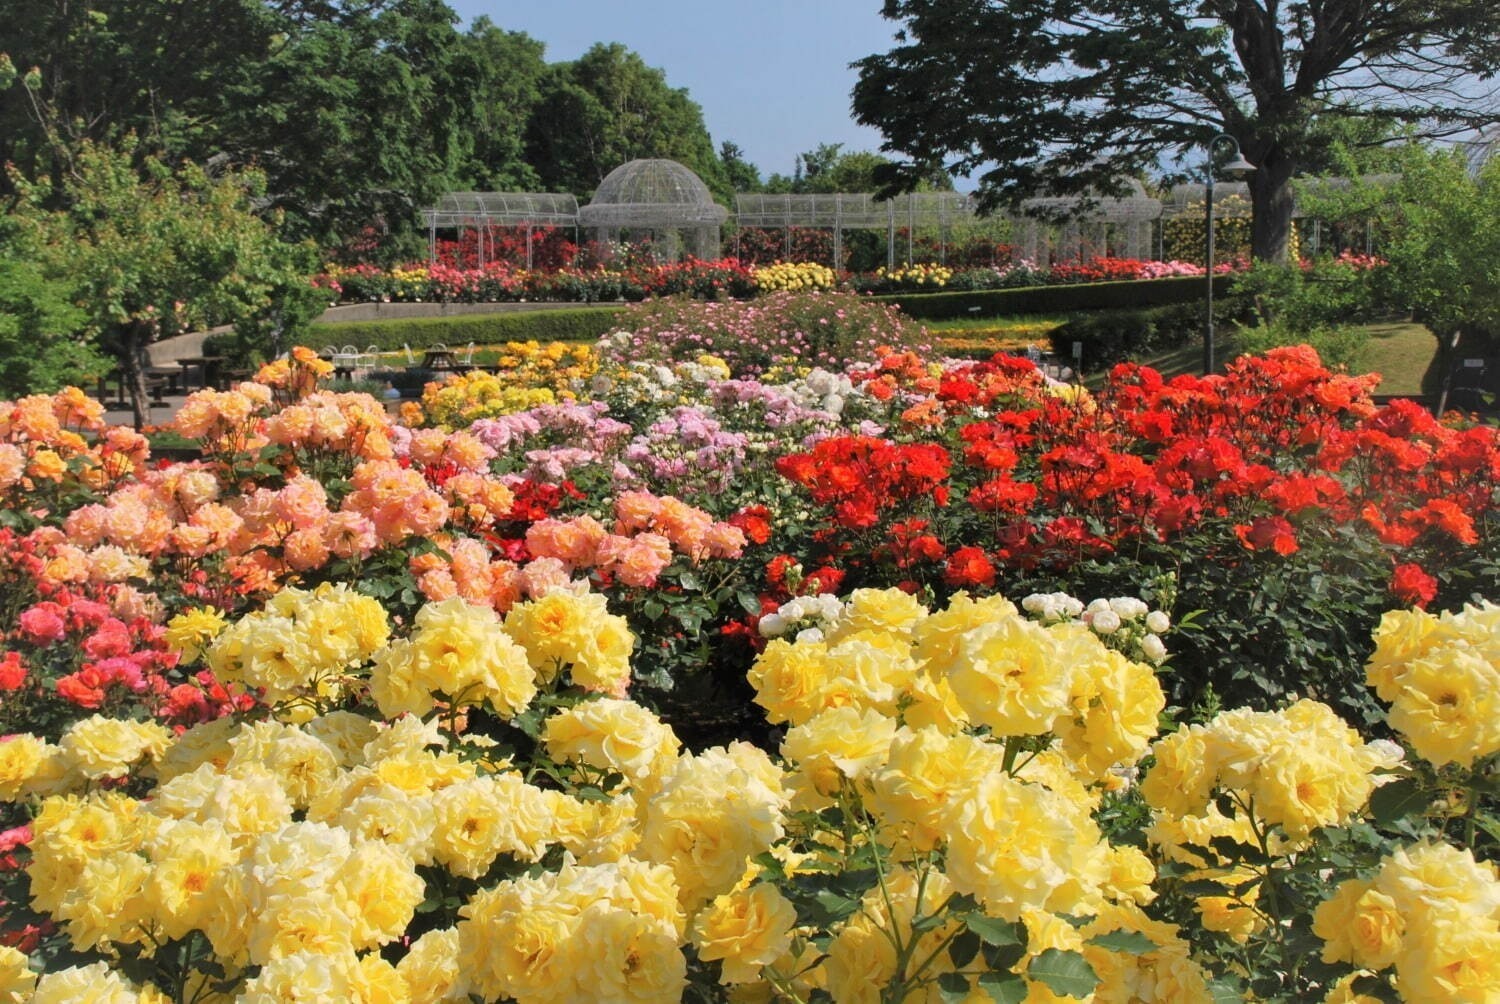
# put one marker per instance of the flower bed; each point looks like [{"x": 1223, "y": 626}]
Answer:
[{"x": 1052, "y": 695}]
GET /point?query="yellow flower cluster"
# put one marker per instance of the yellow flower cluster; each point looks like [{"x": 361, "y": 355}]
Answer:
[
  {"x": 296, "y": 375},
  {"x": 922, "y": 275},
  {"x": 302, "y": 644},
  {"x": 294, "y": 849},
  {"x": 529, "y": 374},
  {"x": 977, "y": 662},
  {"x": 576, "y": 632},
  {"x": 1432, "y": 912},
  {"x": 457, "y": 650},
  {"x": 889, "y": 704},
  {"x": 1441, "y": 676},
  {"x": 410, "y": 280},
  {"x": 1298, "y": 769},
  {"x": 94, "y": 749},
  {"x": 609, "y": 932},
  {"x": 799, "y": 276},
  {"x": 465, "y": 398}
]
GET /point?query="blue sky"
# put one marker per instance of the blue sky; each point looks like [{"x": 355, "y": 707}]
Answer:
[{"x": 773, "y": 76}]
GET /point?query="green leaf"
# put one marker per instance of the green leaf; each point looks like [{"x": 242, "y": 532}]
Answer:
[
  {"x": 963, "y": 949},
  {"x": 1398, "y": 799},
  {"x": 748, "y": 601},
  {"x": 953, "y": 988},
  {"x": 1007, "y": 988},
  {"x": 993, "y": 931},
  {"x": 1225, "y": 990},
  {"x": 1129, "y": 942},
  {"x": 689, "y": 580},
  {"x": 1065, "y": 973}
]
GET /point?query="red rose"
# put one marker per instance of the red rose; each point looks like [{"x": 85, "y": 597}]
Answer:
[
  {"x": 969, "y": 566},
  {"x": 1410, "y": 584}
]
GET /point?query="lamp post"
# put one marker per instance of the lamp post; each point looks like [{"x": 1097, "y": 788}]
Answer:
[{"x": 1237, "y": 165}]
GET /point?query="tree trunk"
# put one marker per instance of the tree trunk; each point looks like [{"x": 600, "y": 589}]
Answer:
[
  {"x": 133, "y": 373},
  {"x": 1271, "y": 202}
]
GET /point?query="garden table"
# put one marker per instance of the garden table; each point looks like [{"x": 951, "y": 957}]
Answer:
[
  {"x": 207, "y": 369},
  {"x": 441, "y": 360}
]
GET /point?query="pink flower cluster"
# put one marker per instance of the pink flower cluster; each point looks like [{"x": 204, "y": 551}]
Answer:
[{"x": 648, "y": 530}]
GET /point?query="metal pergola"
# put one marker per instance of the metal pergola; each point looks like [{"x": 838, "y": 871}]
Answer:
[
  {"x": 482, "y": 210},
  {"x": 840, "y": 211}
]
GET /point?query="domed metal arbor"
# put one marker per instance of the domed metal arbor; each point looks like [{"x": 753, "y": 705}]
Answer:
[
  {"x": 665, "y": 203},
  {"x": 660, "y": 199}
]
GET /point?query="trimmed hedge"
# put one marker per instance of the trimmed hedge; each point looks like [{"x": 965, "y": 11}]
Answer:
[
  {"x": 1115, "y": 336},
  {"x": 1056, "y": 299},
  {"x": 581, "y": 325}
]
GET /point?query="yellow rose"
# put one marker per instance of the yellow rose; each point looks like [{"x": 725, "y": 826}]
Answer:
[
  {"x": 746, "y": 929},
  {"x": 613, "y": 735},
  {"x": 106, "y": 902},
  {"x": 16, "y": 978},
  {"x": 1448, "y": 706},
  {"x": 883, "y": 611},
  {"x": 191, "y": 871},
  {"x": 303, "y": 976},
  {"x": 430, "y": 968},
  {"x": 838, "y": 744},
  {"x": 382, "y": 891},
  {"x": 1012, "y": 676},
  {"x": 1359, "y": 925},
  {"x": 924, "y": 778},
  {"x": 100, "y": 747},
  {"x": 21, "y": 757},
  {"x": 191, "y": 631},
  {"x": 95, "y": 983},
  {"x": 789, "y": 680}
]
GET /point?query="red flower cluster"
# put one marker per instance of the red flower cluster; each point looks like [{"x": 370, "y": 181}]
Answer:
[
  {"x": 1275, "y": 445},
  {"x": 860, "y": 477}
]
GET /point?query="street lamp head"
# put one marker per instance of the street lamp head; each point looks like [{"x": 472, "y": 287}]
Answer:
[{"x": 1239, "y": 166}]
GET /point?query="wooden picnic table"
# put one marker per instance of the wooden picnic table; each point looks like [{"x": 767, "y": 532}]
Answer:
[{"x": 207, "y": 368}]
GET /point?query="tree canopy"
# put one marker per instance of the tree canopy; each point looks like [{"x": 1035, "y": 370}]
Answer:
[
  {"x": 357, "y": 112},
  {"x": 1068, "y": 96},
  {"x": 608, "y": 107},
  {"x": 148, "y": 250}
]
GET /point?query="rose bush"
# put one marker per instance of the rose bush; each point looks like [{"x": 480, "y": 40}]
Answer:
[{"x": 379, "y": 710}]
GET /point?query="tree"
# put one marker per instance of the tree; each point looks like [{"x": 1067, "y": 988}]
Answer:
[
  {"x": 1440, "y": 237},
  {"x": 152, "y": 254},
  {"x": 356, "y": 114},
  {"x": 608, "y": 107},
  {"x": 354, "y": 110},
  {"x": 104, "y": 68},
  {"x": 741, "y": 175},
  {"x": 1068, "y": 96},
  {"x": 504, "y": 70},
  {"x": 827, "y": 168}
]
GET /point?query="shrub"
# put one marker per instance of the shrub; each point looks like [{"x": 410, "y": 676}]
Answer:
[
  {"x": 1313, "y": 294},
  {"x": 1055, "y": 299},
  {"x": 565, "y": 325},
  {"x": 1339, "y": 345},
  {"x": 780, "y": 333},
  {"x": 1116, "y": 336}
]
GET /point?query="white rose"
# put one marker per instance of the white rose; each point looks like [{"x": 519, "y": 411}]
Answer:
[
  {"x": 1153, "y": 648},
  {"x": 1105, "y": 622},
  {"x": 1158, "y": 622},
  {"x": 772, "y": 625}
]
